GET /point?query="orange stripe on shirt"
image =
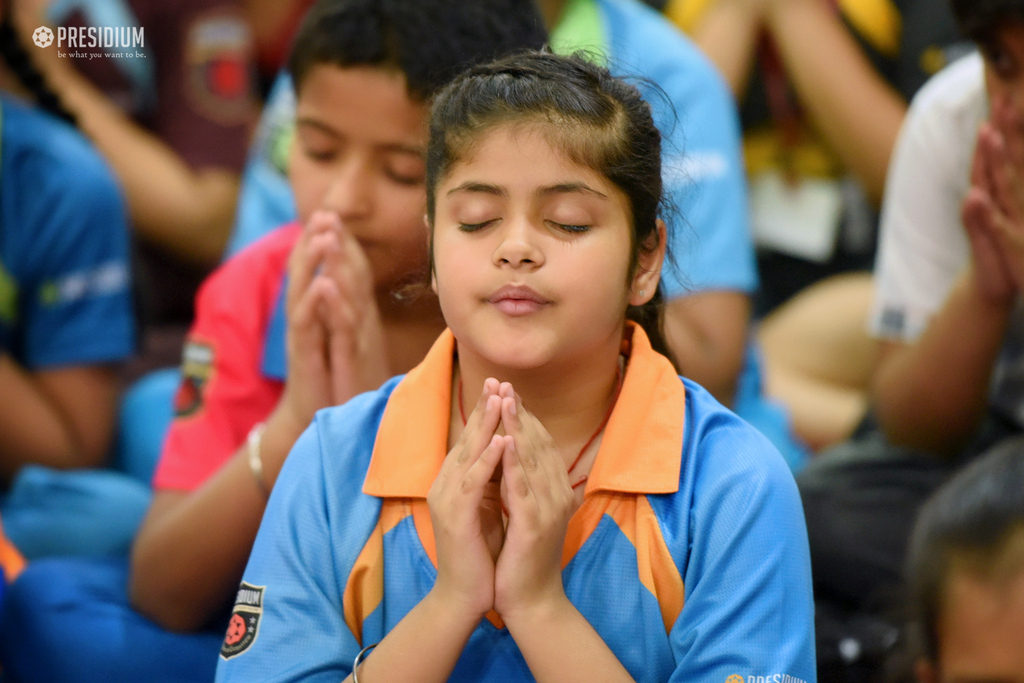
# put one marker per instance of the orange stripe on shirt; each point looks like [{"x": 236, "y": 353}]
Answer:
[
  {"x": 365, "y": 587},
  {"x": 11, "y": 559},
  {"x": 637, "y": 521}
]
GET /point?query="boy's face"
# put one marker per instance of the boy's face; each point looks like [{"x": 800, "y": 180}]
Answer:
[
  {"x": 1004, "y": 71},
  {"x": 980, "y": 631},
  {"x": 359, "y": 152}
]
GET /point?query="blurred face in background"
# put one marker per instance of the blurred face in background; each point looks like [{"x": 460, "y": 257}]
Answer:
[{"x": 980, "y": 630}]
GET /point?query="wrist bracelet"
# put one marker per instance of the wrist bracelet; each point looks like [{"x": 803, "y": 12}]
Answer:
[
  {"x": 255, "y": 461},
  {"x": 359, "y": 660}
]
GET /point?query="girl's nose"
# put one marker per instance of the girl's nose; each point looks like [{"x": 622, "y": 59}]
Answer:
[{"x": 518, "y": 245}]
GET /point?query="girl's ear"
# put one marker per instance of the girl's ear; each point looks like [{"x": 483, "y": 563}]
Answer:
[{"x": 648, "y": 271}]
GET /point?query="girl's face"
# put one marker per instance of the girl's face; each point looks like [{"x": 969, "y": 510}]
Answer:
[
  {"x": 532, "y": 253},
  {"x": 359, "y": 152}
]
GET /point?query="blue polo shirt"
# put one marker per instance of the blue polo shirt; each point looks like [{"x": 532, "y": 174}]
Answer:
[
  {"x": 688, "y": 555},
  {"x": 65, "y": 296}
]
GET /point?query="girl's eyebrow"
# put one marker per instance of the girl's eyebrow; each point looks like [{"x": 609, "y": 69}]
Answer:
[
  {"x": 498, "y": 191},
  {"x": 473, "y": 186},
  {"x": 564, "y": 188}
]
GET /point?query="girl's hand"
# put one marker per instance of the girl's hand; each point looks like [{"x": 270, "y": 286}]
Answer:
[
  {"x": 539, "y": 502},
  {"x": 465, "y": 510}
]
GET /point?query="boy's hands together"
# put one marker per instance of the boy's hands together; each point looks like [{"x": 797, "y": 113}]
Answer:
[
  {"x": 335, "y": 340},
  {"x": 993, "y": 210}
]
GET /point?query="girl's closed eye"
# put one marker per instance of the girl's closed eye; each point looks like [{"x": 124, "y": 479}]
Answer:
[
  {"x": 570, "y": 227},
  {"x": 474, "y": 227}
]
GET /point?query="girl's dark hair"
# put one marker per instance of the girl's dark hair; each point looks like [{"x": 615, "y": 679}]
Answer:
[
  {"x": 980, "y": 19},
  {"x": 976, "y": 521},
  {"x": 429, "y": 41},
  {"x": 597, "y": 120},
  {"x": 21, "y": 65}
]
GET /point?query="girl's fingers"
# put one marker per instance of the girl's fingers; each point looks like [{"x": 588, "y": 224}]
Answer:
[
  {"x": 480, "y": 472},
  {"x": 478, "y": 438},
  {"x": 514, "y": 479},
  {"x": 490, "y": 388}
]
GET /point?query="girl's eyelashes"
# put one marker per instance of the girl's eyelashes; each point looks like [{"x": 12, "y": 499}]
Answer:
[
  {"x": 575, "y": 229},
  {"x": 564, "y": 227},
  {"x": 473, "y": 227}
]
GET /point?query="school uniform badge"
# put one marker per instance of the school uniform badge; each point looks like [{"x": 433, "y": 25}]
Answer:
[
  {"x": 219, "y": 49},
  {"x": 196, "y": 368},
  {"x": 244, "y": 625}
]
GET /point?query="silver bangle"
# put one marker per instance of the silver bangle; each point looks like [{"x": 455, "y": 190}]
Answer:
[
  {"x": 359, "y": 660},
  {"x": 255, "y": 461}
]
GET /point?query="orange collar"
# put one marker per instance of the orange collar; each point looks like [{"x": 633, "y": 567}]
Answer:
[{"x": 640, "y": 451}]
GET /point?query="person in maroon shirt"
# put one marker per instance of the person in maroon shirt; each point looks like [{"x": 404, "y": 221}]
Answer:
[{"x": 172, "y": 113}]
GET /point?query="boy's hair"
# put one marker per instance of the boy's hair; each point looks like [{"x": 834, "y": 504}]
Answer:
[
  {"x": 595, "y": 119},
  {"x": 973, "y": 523},
  {"x": 429, "y": 41},
  {"x": 980, "y": 19}
]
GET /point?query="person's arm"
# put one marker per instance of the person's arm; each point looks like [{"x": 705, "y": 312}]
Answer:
[
  {"x": 707, "y": 333},
  {"x": 855, "y": 109},
  {"x": 932, "y": 394},
  {"x": 726, "y": 31},
  {"x": 184, "y": 569},
  {"x": 712, "y": 269},
  {"x": 61, "y": 417},
  {"x": 923, "y": 399},
  {"x": 187, "y": 211}
]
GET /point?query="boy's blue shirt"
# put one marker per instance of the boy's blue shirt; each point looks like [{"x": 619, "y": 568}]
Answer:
[{"x": 689, "y": 555}]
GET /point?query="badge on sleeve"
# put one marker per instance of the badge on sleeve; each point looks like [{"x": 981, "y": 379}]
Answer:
[
  {"x": 196, "y": 367},
  {"x": 245, "y": 621},
  {"x": 218, "y": 54}
]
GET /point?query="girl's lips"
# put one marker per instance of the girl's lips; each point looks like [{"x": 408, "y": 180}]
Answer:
[{"x": 517, "y": 300}]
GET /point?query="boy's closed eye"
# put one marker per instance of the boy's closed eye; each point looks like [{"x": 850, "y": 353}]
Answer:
[{"x": 405, "y": 168}]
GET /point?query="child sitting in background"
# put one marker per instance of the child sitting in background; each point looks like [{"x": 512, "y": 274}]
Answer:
[{"x": 966, "y": 573}]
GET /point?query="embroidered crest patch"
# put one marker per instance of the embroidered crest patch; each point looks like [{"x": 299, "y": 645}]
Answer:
[
  {"x": 219, "y": 49},
  {"x": 244, "y": 625},
  {"x": 196, "y": 364}
]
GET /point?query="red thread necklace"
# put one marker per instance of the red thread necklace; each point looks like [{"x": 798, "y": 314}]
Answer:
[{"x": 600, "y": 427}]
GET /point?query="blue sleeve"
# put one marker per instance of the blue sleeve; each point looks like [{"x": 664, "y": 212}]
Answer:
[
  {"x": 748, "y": 608},
  {"x": 76, "y": 304},
  {"x": 709, "y": 238},
  {"x": 301, "y": 633},
  {"x": 265, "y": 199}
]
